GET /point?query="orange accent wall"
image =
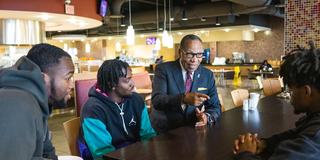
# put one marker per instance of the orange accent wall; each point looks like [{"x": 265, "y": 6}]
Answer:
[{"x": 84, "y": 8}]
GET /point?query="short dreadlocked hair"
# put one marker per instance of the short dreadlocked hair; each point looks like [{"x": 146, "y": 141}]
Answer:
[
  {"x": 109, "y": 74},
  {"x": 302, "y": 67}
]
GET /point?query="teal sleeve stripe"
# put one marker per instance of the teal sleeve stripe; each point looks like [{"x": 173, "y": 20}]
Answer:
[
  {"x": 97, "y": 137},
  {"x": 146, "y": 130}
]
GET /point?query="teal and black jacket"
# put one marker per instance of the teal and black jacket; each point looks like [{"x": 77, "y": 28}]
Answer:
[{"x": 107, "y": 126}]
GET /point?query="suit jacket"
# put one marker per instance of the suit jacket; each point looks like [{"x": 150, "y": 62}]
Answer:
[{"x": 168, "y": 89}]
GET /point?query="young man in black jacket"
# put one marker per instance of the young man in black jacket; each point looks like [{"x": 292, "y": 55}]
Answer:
[
  {"x": 28, "y": 90},
  {"x": 301, "y": 72}
]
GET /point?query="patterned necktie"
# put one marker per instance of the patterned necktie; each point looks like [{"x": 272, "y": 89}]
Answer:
[{"x": 188, "y": 82}]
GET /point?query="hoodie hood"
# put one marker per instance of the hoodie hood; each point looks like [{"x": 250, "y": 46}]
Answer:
[{"x": 26, "y": 75}]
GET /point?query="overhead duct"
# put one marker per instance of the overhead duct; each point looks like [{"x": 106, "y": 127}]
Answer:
[
  {"x": 194, "y": 11},
  {"x": 21, "y": 32}
]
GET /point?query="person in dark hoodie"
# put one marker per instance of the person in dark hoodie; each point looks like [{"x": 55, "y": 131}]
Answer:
[
  {"x": 28, "y": 89},
  {"x": 114, "y": 116},
  {"x": 301, "y": 72}
]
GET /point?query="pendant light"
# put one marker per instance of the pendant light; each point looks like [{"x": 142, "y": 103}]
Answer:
[
  {"x": 165, "y": 32},
  {"x": 130, "y": 30},
  {"x": 118, "y": 45},
  {"x": 158, "y": 42},
  {"x": 170, "y": 38}
]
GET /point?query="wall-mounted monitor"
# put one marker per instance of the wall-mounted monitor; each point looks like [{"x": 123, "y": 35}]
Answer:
[
  {"x": 102, "y": 7},
  {"x": 151, "y": 40}
]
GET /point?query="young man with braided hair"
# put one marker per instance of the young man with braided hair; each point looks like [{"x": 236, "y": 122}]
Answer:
[
  {"x": 114, "y": 116},
  {"x": 301, "y": 72}
]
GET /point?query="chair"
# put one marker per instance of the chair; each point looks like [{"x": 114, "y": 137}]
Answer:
[
  {"x": 221, "y": 103},
  {"x": 143, "y": 86},
  {"x": 238, "y": 96},
  {"x": 71, "y": 131},
  {"x": 142, "y": 80},
  {"x": 271, "y": 86},
  {"x": 81, "y": 92}
]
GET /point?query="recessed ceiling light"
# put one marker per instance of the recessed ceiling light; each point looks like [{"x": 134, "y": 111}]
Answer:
[
  {"x": 44, "y": 16},
  {"x": 267, "y": 32},
  {"x": 203, "y": 19},
  {"x": 227, "y": 29},
  {"x": 184, "y": 19},
  {"x": 171, "y": 19},
  {"x": 72, "y": 20},
  {"x": 256, "y": 30},
  {"x": 218, "y": 24}
]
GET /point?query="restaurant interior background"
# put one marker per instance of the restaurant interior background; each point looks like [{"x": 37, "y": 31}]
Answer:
[
  {"x": 257, "y": 29},
  {"x": 254, "y": 29}
]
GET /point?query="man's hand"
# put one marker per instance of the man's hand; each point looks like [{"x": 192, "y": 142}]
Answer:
[
  {"x": 202, "y": 119},
  {"x": 248, "y": 142},
  {"x": 196, "y": 99}
]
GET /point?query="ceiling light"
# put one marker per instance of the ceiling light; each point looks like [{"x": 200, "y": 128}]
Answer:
[
  {"x": 44, "y": 16},
  {"x": 158, "y": 45},
  {"x": 72, "y": 20},
  {"x": 122, "y": 25},
  {"x": 130, "y": 31},
  {"x": 217, "y": 21},
  {"x": 267, "y": 32},
  {"x": 202, "y": 31},
  {"x": 69, "y": 37},
  {"x": 227, "y": 29},
  {"x": 184, "y": 15},
  {"x": 130, "y": 35},
  {"x": 171, "y": 19},
  {"x": 256, "y": 30},
  {"x": 118, "y": 47},
  {"x": 165, "y": 37},
  {"x": 82, "y": 24},
  {"x": 180, "y": 33},
  {"x": 87, "y": 48},
  {"x": 170, "y": 41},
  {"x": 203, "y": 19}
]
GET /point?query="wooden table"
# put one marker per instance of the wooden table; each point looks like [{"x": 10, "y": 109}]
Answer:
[{"x": 215, "y": 142}]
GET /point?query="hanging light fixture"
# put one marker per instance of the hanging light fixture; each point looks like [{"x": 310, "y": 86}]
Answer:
[
  {"x": 158, "y": 42},
  {"x": 87, "y": 48},
  {"x": 118, "y": 45},
  {"x": 170, "y": 38},
  {"x": 184, "y": 15},
  {"x": 165, "y": 32},
  {"x": 217, "y": 21},
  {"x": 130, "y": 30}
]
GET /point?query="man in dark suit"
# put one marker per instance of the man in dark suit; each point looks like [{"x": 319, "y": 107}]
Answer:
[{"x": 184, "y": 92}]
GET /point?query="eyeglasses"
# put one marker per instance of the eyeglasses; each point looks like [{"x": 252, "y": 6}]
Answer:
[{"x": 191, "y": 55}]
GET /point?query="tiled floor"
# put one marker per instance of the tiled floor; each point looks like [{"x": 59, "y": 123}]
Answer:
[{"x": 55, "y": 122}]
